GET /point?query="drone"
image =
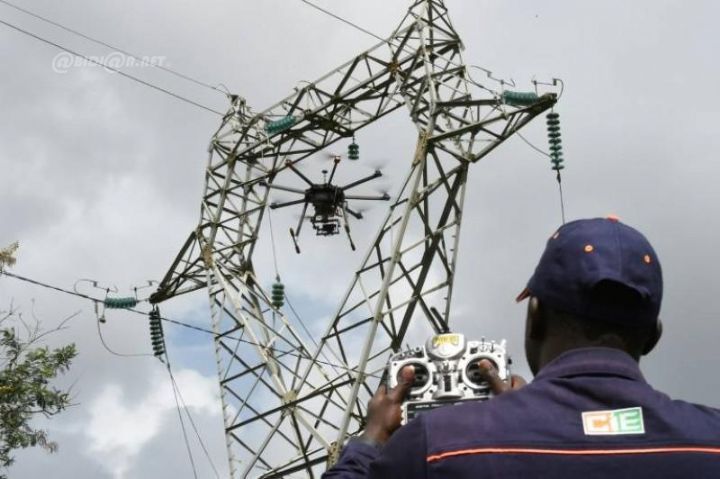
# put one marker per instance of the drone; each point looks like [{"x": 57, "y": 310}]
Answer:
[{"x": 329, "y": 202}]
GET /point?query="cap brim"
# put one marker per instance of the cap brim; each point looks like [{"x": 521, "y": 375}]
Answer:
[{"x": 524, "y": 294}]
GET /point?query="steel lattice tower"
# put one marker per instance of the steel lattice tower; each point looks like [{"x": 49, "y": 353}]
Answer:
[{"x": 286, "y": 412}]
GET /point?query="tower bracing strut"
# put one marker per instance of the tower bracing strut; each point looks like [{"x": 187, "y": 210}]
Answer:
[{"x": 288, "y": 403}]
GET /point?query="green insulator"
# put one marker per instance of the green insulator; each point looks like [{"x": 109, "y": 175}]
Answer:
[
  {"x": 518, "y": 98},
  {"x": 553, "y": 127},
  {"x": 157, "y": 338},
  {"x": 353, "y": 151},
  {"x": 557, "y": 161},
  {"x": 277, "y": 295},
  {"x": 158, "y": 349},
  {"x": 282, "y": 124},
  {"x": 120, "y": 303}
]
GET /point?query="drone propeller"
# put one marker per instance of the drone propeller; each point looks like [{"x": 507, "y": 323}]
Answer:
[
  {"x": 377, "y": 163},
  {"x": 327, "y": 157},
  {"x": 358, "y": 212},
  {"x": 383, "y": 189},
  {"x": 275, "y": 205},
  {"x": 279, "y": 199},
  {"x": 354, "y": 213}
]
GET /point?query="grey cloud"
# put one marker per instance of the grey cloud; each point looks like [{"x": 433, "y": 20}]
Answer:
[{"x": 106, "y": 175}]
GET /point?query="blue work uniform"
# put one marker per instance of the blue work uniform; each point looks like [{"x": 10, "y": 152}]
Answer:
[{"x": 587, "y": 414}]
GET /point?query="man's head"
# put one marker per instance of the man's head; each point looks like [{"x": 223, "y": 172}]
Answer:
[{"x": 598, "y": 283}]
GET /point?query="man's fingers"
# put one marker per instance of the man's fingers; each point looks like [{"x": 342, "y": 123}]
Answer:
[
  {"x": 489, "y": 372},
  {"x": 405, "y": 382},
  {"x": 382, "y": 389},
  {"x": 517, "y": 381}
]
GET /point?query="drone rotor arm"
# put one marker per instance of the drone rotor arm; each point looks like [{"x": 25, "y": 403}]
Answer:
[
  {"x": 275, "y": 206},
  {"x": 347, "y": 226},
  {"x": 384, "y": 197},
  {"x": 336, "y": 162},
  {"x": 356, "y": 214},
  {"x": 300, "y": 221},
  {"x": 299, "y": 173},
  {"x": 284, "y": 188},
  {"x": 377, "y": 174}
]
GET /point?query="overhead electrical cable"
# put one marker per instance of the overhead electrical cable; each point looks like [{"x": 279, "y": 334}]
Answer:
[
  {"x": 297, "y": 316},
  {"x": 115, "y": 353},
  {"x": 45, "y": 285},
  {"x": 124, "y": 52},
  {"x": 531, "y": 145},
  {"x": 178, "y": 395},
  {"x": 559, "y": 180},
  {"x": 169, "y": 320},
  {"x": 115, "y": 70},
  {"x": 404, "y": 47},
  {"x": 348, "y": 22},
  {"x": 176, "y": 389},
  {"x": 182, "y": 426}
]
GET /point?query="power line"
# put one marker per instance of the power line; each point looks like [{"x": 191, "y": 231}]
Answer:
[
  {"x": 45, "y": 285},
  {"x": 176, "y": 389},
  {"x": 115, "y": 70},
  {"x": 115, "y": 353},
  {"x": 562, "y": 200},
  {"x": 403, "y": 46},
  {"x": 297, "y": 316},
  {"x": 539, "y": 150},
  {"x": 182, "y": 425},
  {"x": 169, "y": 320},
  {"x": 124, "y": 52},
  {"x": 348, "y": 22},
  {"x": 559, "y": 179}
]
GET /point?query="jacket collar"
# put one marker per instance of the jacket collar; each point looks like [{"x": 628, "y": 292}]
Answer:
[{"x": 583, "y": 361}]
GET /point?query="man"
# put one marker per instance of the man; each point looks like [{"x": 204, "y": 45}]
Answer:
[{"x": 593, "y": 308}]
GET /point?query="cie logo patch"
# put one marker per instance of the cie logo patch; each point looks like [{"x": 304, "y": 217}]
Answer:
[{"x": 613, "y": 422}]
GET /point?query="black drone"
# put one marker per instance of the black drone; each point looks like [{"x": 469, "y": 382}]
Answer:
[{"x": 329, "y": 201}]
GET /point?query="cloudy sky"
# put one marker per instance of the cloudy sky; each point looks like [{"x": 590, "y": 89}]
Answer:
[{"x": 101, "y": 178}]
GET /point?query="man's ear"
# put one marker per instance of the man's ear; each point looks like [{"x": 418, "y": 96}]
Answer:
[
  {"x": 653, "y": 340},
  {"x": 536, "y": 326}
]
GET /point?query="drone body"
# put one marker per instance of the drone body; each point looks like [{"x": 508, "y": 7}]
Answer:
[{"x": 329, "y": 203}]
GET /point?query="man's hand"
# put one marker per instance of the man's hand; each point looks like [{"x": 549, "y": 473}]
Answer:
[
  {"x": 384, "y": 413},
  {"x": 490, "y": 373}
]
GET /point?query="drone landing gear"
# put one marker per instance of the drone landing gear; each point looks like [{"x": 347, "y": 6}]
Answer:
[
  {"x": 346, "y": 210},
  {"x": 294, "y": 234},
  {"x": 347, "y": 231},
  {"x": 329, "y": 201},
  {"x": 294, "y": 238}
]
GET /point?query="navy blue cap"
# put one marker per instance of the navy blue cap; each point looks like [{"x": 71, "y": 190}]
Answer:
[{"x": 585, "y": 253}]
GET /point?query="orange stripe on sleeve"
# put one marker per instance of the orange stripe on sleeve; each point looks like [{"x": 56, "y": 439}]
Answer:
[{"x": 573, "y": 452}]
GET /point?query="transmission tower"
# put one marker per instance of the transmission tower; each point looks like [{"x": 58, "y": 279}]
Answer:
[{"x": 289, "y": 406}]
